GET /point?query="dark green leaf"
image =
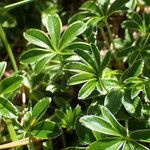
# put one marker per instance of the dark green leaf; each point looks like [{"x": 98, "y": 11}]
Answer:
[
  {"x": 45, "y": 130},
  {"x": 117, "y": 5},
  {"x": 96, "y": 54},
  {"x": 40, "y": 108},
  {"x": 7, "y": 109},
  {"x": 134, "y": 70},
  {"x": 147, "y": 89},
  {"x": 141, "y": 135},
  {"x": 133, "y": 106},
  {"x": 86, "y": 58},
  {"x": 130, "y": 24},
  {"x": 106, "y": 61},
  {"x": 113, "y": 101},
  {"x": 38, "y": 38},
  {"x": 34, "y": 55},
  {"x": 10, "y": 84}
]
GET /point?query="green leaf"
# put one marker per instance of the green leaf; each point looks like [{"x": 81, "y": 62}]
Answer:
[
  {"x": 132, "y": 145},
  {"x": 45, "y": 130},
  {"x": 7, "y": 109},
  {"x": 10, "y": 84},
  {"x": 134, "y": 70},
  {"x": 90, "y": 6},
  {"x": 38, "y": 38},
  {"x": 117, "y": 5},
  {"x": 130, "y": 24},
  {"x": 106, "y": 61},
  {"x": 136, "y": 89},
  {"x": 86, "y": 58},
  {"x": 106, "y": 144},
  {"x": 87, "y": 89},
  {"x": 100, "y": 87},
  {"x": 113, "y": 121},
  {"x": 71, "y": 33},
  {"x": 78, "y": 67},
  {"x": 34, "y": 55},
  {"x": 2, "y": 68},
  {"x": 133, "y": 106},
  {"x": 40, "y": 108},
  {"x": 80, "y": 45},
  {"x": 96, "y": 54},
  {"x": 98, "y": 124},
  {"x": 147, "y": 89},
  {"x": 54, "y": 27},
  {"x": 141, "y": 135},
  {"x": 80, "y": 78},
  {"x": 113, "y": 101},
  {"x": 40, "y": 65}
]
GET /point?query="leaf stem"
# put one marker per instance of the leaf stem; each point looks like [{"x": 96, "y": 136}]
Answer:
[
  {"x": 8, "y": 48},
  {"x": 104, "y": 36},
  {"x": 126, "y": 126},
  {"x": 11, "y": 130},
  {"x": 109, "y": 33}
]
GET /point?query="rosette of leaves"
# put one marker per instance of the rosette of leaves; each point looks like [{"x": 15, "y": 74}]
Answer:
[
  {"x": 115, "y": 136},
  {"x": 96, "y": 14},
  {"x": 52, "y": 48},
  {"x": 99, "y": 10},
  {"x": 90, "y": 72},
  {"x": 68, "y": 117}
]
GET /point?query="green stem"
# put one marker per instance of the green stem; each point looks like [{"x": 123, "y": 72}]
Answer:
[
  {"x": 104, "y": 36},
  {"x": 63, "y": 140},
  {"x": 8, "y": 48},
  {"x": 14, "y": 5},
  {"x": 11, "y": 130},
  {"x": 109, "y": 32},
  {"x": 126, "y": 127}
]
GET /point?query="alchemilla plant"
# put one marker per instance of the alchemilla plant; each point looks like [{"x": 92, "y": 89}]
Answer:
[{"x": 75, "y": 77}]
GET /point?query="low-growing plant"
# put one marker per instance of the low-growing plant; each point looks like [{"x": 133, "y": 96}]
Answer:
[{"x": 81, "y": 85}]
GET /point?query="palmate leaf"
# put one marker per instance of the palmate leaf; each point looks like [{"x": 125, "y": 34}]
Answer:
[{"x": 89, "y": 71}]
